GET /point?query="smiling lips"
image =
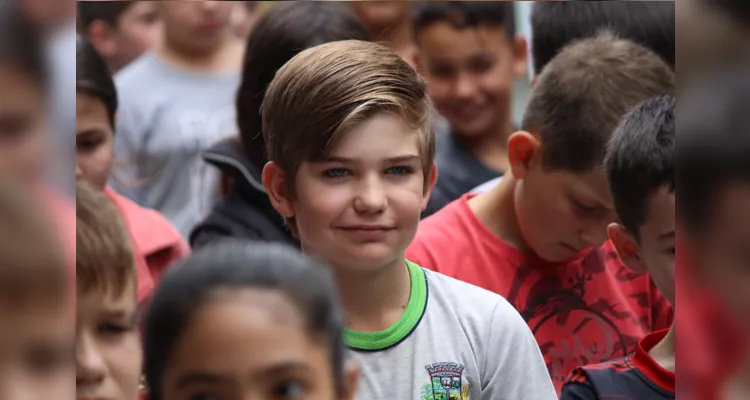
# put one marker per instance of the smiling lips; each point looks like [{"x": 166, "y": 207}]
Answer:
[{"x": 367, "y": 232}]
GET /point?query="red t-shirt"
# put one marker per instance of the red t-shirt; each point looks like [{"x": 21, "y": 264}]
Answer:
[{"x": 587, "y": 310}]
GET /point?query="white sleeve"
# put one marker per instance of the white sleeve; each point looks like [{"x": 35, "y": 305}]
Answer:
[{"x": 514, "y": 366}]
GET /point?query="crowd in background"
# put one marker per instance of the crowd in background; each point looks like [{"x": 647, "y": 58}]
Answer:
[{"x": 374, "y": 199}]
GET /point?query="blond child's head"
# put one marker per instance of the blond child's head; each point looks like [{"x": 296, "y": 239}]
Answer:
[
  {"x": 348, "y": 128},
  {"x": 108, "y": 348}
]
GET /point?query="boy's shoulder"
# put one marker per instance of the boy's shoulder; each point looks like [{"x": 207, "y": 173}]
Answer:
[
  {"x": 469, "y": 303},
  {"x": 140, "y": 69},
  {"x": 636, "y": 376}
]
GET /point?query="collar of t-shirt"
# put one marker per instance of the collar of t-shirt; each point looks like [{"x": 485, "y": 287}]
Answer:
[{"x": 648, "y": 366}]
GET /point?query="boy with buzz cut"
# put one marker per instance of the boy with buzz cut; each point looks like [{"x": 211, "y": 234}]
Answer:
[
  {"x": 640, "y": 166},
  {"x": 537, "y": 238},
  {"x": 108, "y": 346},
  {"x": 36, "y": 302},
  {"x": 348, "y": 131}
]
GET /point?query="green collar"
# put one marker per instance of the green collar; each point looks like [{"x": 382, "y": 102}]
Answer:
[{"x": 377, "y": 341}]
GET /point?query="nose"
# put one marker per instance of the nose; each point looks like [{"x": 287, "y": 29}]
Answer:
[
  {"x": 79, "y": 172},
  {"x": 371, "y": 197},
  {"x": 464, "y": 86},
  {"x": 90, "y": 365}
]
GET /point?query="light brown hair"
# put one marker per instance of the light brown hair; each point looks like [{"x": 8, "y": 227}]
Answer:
[
  {"x": 582, "y": 94},
  {"x": 325, "y": 91},
  {"x": 32, "y": 261},
  {"x": 104, "y": 255}
]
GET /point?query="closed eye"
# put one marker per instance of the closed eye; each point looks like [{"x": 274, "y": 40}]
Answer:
[{"x": 584, "y": 208}]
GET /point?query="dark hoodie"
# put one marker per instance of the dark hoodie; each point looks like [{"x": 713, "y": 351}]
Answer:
[{"x": 245, "y": 212}]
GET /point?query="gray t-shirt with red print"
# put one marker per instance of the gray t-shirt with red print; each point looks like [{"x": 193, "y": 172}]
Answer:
[{"x": 454, "y": 341}]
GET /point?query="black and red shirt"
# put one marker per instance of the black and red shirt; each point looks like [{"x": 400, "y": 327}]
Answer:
[{"x": 635, "y": 377}]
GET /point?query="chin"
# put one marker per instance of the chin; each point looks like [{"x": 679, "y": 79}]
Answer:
[{"x": 370, "y": 259}]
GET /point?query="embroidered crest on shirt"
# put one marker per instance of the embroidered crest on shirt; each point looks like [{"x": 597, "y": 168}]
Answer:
[{"x": 446, "y": 382}]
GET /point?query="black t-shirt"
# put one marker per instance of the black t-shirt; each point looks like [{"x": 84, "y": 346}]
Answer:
[
  {"x": 458, "y": 172},
  {"x": 635, "y": 377}
]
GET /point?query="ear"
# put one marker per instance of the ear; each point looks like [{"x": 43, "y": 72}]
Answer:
[
  {"x": 275, "y": 183},
  {"x": 522, "y": 149},
  {"x": 351, "y": 380},
  {"x": 103, "y": 38},
  {"x": 417, "y": 63},
  {"x": 534, "y": 80},
  {"x": 627, "y": 248},
  {"x": 430, "y": 185},
  {"x": 520, "y": 56}
]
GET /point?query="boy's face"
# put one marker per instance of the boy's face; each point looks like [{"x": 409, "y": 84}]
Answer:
[
  {"x": 359, "y": 208},
  {"x": 201, "y": 25},
  {"x": 470, "y": 74},
  {"x": 654, "y": 253},
  {"x": 249, "y": 345},
  {"x": 108, "y": 347},
  {"x": 36, "y": 349},
  {"x": 22, "y": 127},
  {"x": 724, "y": 249},
  {"x": 139, "y": 29},
  {"x": 559, "y": 213},
  {"x": 94, "y": 140}
]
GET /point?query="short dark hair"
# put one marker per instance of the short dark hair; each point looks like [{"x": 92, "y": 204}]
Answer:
[
  {"x": 583, "y": 94},
  {"x": 465, "y": 14},
  {"x": 279, "y": 35},
  {"x": 22, "y": 44},
  {"x": 640, "y": 159},
  {"x": 107, "y": 11},
  {"x": 93, "y": 76},
  {"x": 237, "y": 264},
  {"x": 555, "y": 24},
  {"x": 713, "y": 144},
  {"x": 737, "y": 10}
]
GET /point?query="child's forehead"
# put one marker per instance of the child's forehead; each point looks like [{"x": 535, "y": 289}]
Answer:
[{"x": 383, "y": 135}]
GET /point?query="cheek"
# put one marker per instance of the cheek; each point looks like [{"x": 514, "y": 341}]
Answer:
[{"x": 125, "y": 361}]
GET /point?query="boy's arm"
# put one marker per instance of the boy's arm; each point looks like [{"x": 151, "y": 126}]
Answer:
[
  {"x": 578, "y": 387},
  {"x": 513, "y": 367}
]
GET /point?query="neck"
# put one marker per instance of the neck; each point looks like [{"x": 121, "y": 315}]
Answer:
[
  {"x": 738, "y": 387},
  {"x": 226, "y": 57},
  {"x": 664, "y": 352},
  {"x": 496, "y": 209},
  {"x": 491, "y": 149},
  {"x": 374, "y": 300}
]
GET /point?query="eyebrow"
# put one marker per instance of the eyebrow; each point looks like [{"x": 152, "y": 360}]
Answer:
[
  {"x": 129, "y": 316},
  {"x": 392, "y": 160},
  {"x": 197, "y": 377},
  {"x": 286, "y": 368}
]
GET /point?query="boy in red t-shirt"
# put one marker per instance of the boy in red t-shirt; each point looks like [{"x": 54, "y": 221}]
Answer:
[
  {"x": 537, "y": 238},
  {"x": 640, "y": 170},
  {"x": 714, "y": 207}
]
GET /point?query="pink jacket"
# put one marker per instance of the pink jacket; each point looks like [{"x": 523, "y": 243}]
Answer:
[{"x": 156, "y": 243}]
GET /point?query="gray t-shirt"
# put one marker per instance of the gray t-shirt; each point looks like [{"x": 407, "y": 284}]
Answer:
[
  {"x": 454, "y": 341},
  {"x": 167, "y": 117}
]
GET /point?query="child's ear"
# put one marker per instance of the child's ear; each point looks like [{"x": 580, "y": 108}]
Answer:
[
  {"x": 523, "y": 147},
  {"x": 520, "y": 56},
  {"x": 430, "y": 185},
  {"x": 351, "y": 380},
  {"x": 534, "y": 80},
  {"x": 627, "y": 248},
  {"x": 275, "y": 183}
]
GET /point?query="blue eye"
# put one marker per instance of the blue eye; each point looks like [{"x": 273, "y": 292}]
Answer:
[
  {"x": 399, "y": 170},
  {"x": 336, "y": 173}
]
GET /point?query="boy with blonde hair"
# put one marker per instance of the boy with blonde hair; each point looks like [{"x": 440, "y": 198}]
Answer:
[{"x": 349, "y": 138}]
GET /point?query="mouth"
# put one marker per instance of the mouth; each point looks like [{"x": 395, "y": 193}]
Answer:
[
  {"x": 571, "y": 248},
  {"x": 367, "y": 232}
]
